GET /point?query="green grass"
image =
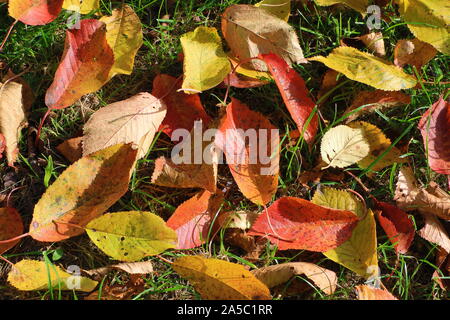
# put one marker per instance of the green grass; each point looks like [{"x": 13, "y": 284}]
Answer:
[{"x": 320, "y": 29}]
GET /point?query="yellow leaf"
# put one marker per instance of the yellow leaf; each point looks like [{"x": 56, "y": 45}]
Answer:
[
  {"x": 12, "y": 117},
  {"x": 343, "y": 146},
  {"x": 124, "y": 36},
  {"x": 127, "y": 121},
  {"x": 82, "y": 192},
  {"x": 366, "y": 68},
  {"x": 205, "y": 62},
  {"x": 249, "y": 72},
  {"x": 81, "y": 6},
  {"x": 378, "y": 143},
  {"x": 429, "y": 21},
  {"x": 215, "y": 279},
  {"x": 359, "y": 253},
  {"x": 29, "y": 275},
  {"x": 250, "y": 31},
  {"x": 279, "y": 8},
  {"x": 131, "y": 236},
  {"x": 358, "y": 5}
]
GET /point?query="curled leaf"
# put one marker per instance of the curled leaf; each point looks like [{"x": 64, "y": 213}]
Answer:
[{"x": 413, "y": 52}]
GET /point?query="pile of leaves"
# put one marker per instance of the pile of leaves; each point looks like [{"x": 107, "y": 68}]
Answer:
[{"x": 263, "y": 47}]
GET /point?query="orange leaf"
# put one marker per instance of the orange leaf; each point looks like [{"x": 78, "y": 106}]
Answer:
[
  {"x": 10, "y": 226},
  {"x": 71, "y": 149},
  {"x": 295, "y": 95},
  {"x": 84, "y": 67},
  {"x": 35, "y": 12},
  {"x": 435, "y": 129},
  {"x": 413, "y": 52},
  {"x": 294, "y": 223},
  {"x": 182, "y": 109},
  {"x": 369, "y": 293},
  {"x": 257, "y": 181},
  {"x": 191, "y": 220}
]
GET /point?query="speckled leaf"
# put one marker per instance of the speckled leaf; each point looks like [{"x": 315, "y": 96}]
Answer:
[
  {"x": 294, "y": 223},
  {"x": 30, "y": 275},
  {"x": 215, "y": 279},
  {"x": 82, "y": 192},
  {"x": 84, "y": 66},
  {"x": 368, "y": 69},
  {"x": 359, "y": 252},
  {"x": 81, "y": 6},
  {"x": 35, "y": 12},
  {"x": 378, "y": 144},
  {"x": 205, "y": 62},
  {"x": 343, "y": 146},
  {"x": 11, "y": 226},
  {"x": 131, "y": 236}
]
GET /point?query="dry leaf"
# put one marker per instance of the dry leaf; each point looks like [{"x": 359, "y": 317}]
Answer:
[
  {"x": 279, "y": 8},
  {"x": 413, "y": 52},
  {"x": 215, "y": 279},
  {"x": 343, "y": 146},
  {"x": 434, "y": 232},
  {"x": 11, "y": 226},
  {"x": 250, "y": 31},
  {"x": 374, "y": 41},
  {"x": 358, "y": 5},
  {"x": 127, "y": 121},
  {"x": 35, "y": 12},
  {"x": 368, "y": 69},
  {"x": 82, "y": 6},
  {"x": 365, "y": 292},
  {"x": 275, "y": 275},
  {"x": 143, "y": 267},
  {"x": 72, "y": 149}
]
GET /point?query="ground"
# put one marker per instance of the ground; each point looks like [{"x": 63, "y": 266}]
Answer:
[{"x": 38, "y": 49}]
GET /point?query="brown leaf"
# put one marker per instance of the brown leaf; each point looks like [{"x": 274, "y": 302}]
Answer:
[
  {"x": 120, "y": 291},
  {"x": 143, "y": 267},
  {"x": 275, "y": 275},
  {"x": 370, "y": 293},
  {"x": 71, "y": 149},
  {"x": 373, "y": 100},
  {"x": 11, "y": 226},
  {"x": 434, "y": 232},
  {"x": 442, "y": 275},
  {"x": 252, "y": 246},
  {"x": 374, "y": 42},
  {"x": 329, "y": 81},
  {"x": 414, "y": 52}
]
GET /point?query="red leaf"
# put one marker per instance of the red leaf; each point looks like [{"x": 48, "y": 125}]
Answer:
[
  {"x": 257, "y": 180},
  {"x": 10, "y": 226},
  {"x": 295, "y": 94},
  {"x": 191, "y": 220},
  {"x": 240, "y": 81},
  {"x": 84, "y": 67},
  {"x": 35, "y": 12},
  {"x": 2, "y": 144},
  {"x": 397, "y": 225},
  {"x": 294, "y": 223},
  {"x": 182, "y": 109},
  {"x": 436, "y": 135}
]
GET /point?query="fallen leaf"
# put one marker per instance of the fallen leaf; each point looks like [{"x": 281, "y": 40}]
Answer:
[
  {"x": 72, "y": 149},
  {"x": 192, "y": 219},
  {"x": 428, "y": 20},
  {"x": 127, "y": 121},
  {"x": 124, "y": 36},
  {"x": 242, "y": 220},
  {"x": 35, "y": 12},
  {"x": 368, "y": 69},
  {"x": 30, "y": 275},
  {"x": 250, "y": 31},
  {"x": 205, "y": 62},
  {"x": 191, "y": 167},
  {"x": 275, "y": 275},
  {"x": 365, "y": 292},
  {"x": 27, "y": 93},
  {"x": 343, "y": 146},
  {"x": 84, "y": 67},
  {"x": 279, "y": 8},
  {"x": 12, "y": 117},
  {"x": 397, "y": 225},
  {"x": 11, "y": 226},
  {"x": 82, "y": 6},
  {"x": 237, "y": 80},
  {"x": 359, "y": 252},
  {"x": 435, "y": 129},
  {"x": 413, "y": 52},
  {"x": 295, "y": 94},
  {"x": 358, "y": 5},
  {"x": 182, "y": 109},
  {"x": 215, "y": 279},
  {"x": 144, "y": 267},
  {"x": 374, "y": 42},
  {"x": 433, "y": 231},
  {"x": 294, "y": 223},
  {"x": 132, "y": 235},
  {"x": 120, "y": 291},
  {"x": 442, "y": 275},
  {"x": 378, "y": 144},
  {"x": 329, "y": 81},
  {"x": 254, "y": 165},
  {"x": 374, "y": 100},
  {"x": 262, "y": 76},
  {"x": 2, "y": 145},
  {"x": 253, "y": 247},
  {"x": 82, "y": 192}
]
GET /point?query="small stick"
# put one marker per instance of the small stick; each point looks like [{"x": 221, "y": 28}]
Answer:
[
  {"x": 7, "y": 35},
  {"x": 164, "y": 259}
]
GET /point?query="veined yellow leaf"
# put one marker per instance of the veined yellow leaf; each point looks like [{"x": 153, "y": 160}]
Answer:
[
  {"x": 279, "y": 8},
  {"x": 81, "y": 6},
  {"x": 366, "y": 68},
  {"x": 358, "y": 5},
  {"x": 205, "y": 62}
]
